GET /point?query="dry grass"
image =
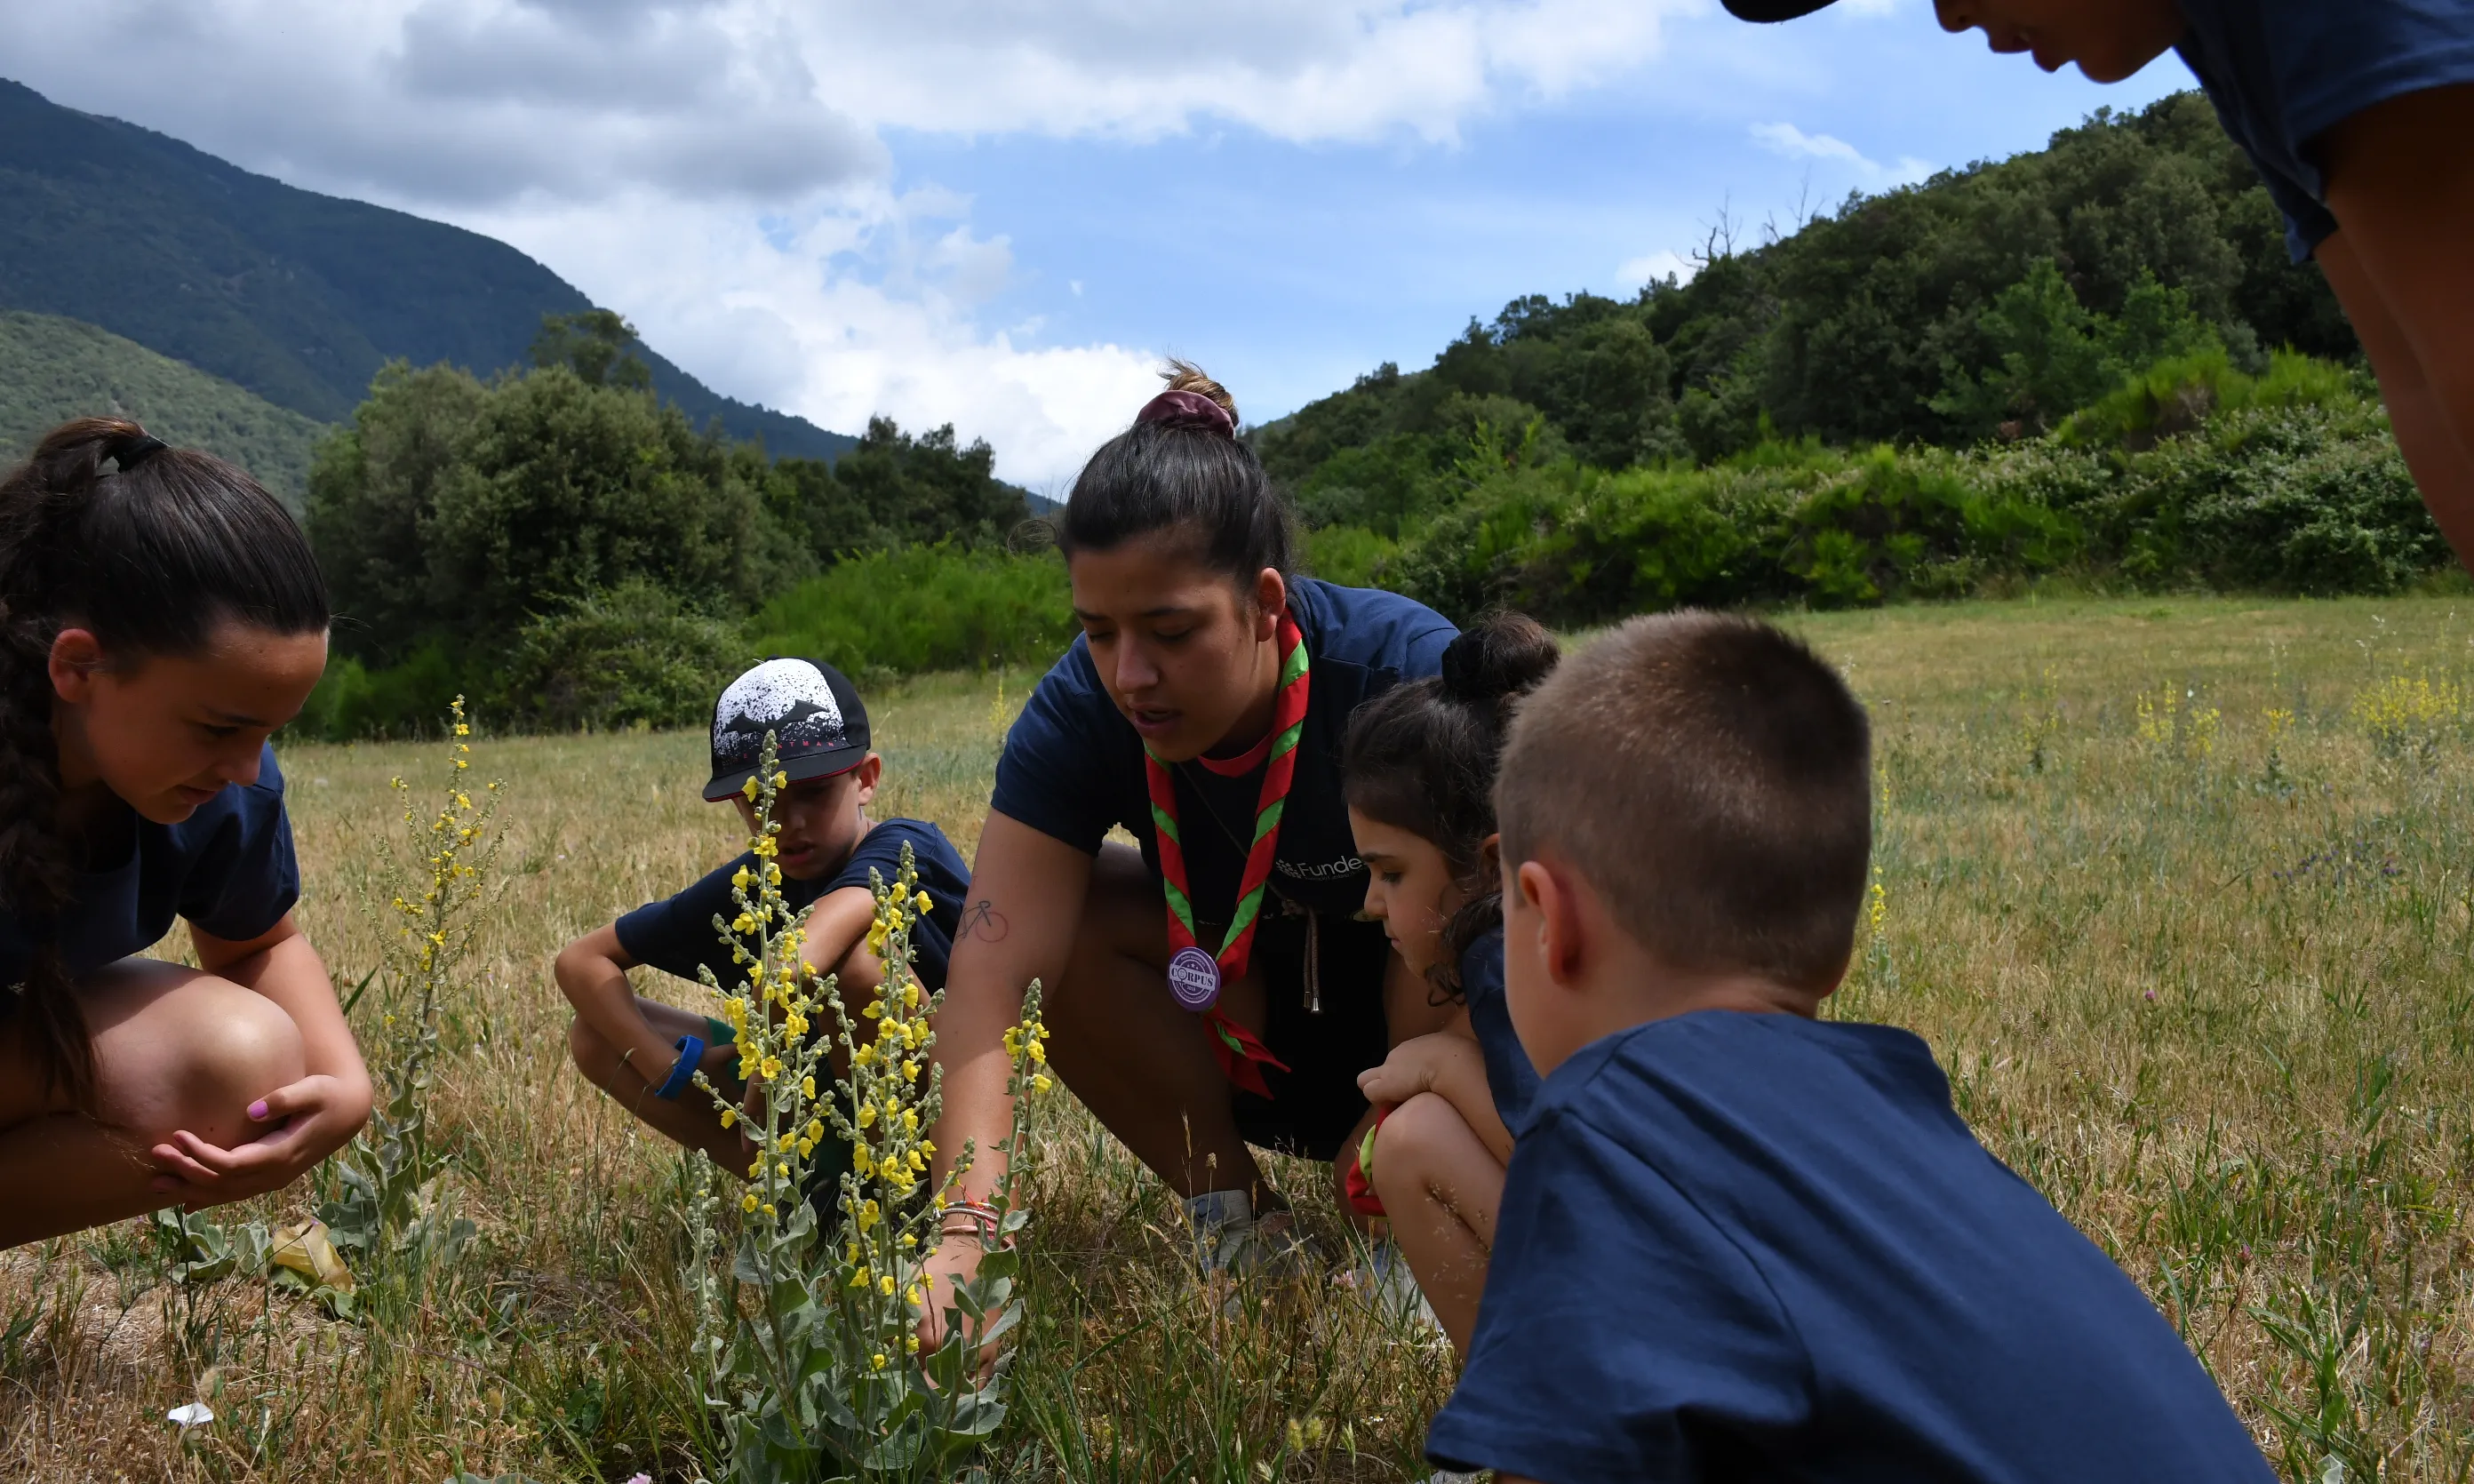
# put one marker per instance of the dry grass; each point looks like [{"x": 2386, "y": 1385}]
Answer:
[{"x": 2219, "y": 1010}]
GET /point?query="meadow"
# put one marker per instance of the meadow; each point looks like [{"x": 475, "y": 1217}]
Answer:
[{"x": 2177, "y": 889}]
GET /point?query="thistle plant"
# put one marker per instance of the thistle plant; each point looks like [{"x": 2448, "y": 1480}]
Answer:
[{"x": 808, "y": 1342}]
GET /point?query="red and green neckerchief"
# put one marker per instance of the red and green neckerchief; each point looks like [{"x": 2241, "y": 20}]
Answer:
[{"x": 1242, "y": 1057}]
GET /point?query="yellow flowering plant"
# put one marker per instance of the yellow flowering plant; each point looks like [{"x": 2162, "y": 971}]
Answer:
[{"x": 807, "y": 1340}]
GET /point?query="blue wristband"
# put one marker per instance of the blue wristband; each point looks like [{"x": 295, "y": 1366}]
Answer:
[{"x": 682, "y": 1070}]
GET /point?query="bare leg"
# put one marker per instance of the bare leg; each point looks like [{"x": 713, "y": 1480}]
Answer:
[
  {"x": 1141, "y": 1064},
  {"x": 173, "y": 1049},
  {"x": 1442, "y": 1189}
]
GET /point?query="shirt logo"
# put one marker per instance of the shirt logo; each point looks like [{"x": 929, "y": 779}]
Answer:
[{"x": 1326, "y": 870}]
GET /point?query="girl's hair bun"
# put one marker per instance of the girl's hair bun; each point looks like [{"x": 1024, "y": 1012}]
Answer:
[{"x": 1498, "y": 657}]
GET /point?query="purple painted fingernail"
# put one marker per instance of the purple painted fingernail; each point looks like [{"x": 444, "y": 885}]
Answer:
[{"x": 257, "y": 1109}]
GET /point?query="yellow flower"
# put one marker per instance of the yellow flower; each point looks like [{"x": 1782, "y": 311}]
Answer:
[
  {"x": 806, "y": 1147},
  {"x": 866, "y": 1110},
  {"x": 740, "y": 878},
  {"x": 749, "y": 789},
  {"x": 863, "y": 1162},
  {"x": 768, "y": 1208},
  {"x": 782, "y": 1171},
  {"x": 462, "y": 730},
  {"x": 884, "y": 1286},
  {"x": 1040, "y": 1084},
  {"x": 772, "y": 1068},
  {"x": 816, "y": 1129},
  {"x": 808, "y": 1088},
  {"x": 729, "y": 1116},
  {"x": 747, "y": 1203},
  {"x": 922, "y": 903},
  {"x": 910, "y": 1346},
  {"x": 868, "y": 1214},
  {"x": 742, "y": 923},
  {"x": 910, "y": 1121},
  {"x": 877, "y": 1360}
]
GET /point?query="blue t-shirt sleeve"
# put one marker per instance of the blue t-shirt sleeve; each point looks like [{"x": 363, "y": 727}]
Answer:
[
  {"x": 1621, "y": 1335},
  {"x": 247, "y": 876},
  {"x": 2334, "y": 60},
  {"x": 2282, "y": 73},
  {"x": 1054, "y": 774},
  {"x": 676, "y": 933},
  {"x": 942, "y": 874}
]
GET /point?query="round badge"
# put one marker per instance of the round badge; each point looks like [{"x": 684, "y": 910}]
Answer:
[{"x": 1193, "y": 978}]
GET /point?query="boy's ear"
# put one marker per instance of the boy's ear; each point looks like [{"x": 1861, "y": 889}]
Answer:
[
  {"x": 1554, "y": 896},
  {"x": 870, "y": 770}
]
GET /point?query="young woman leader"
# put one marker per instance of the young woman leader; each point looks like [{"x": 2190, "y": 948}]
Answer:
[{"x": 1217, "y": 988}]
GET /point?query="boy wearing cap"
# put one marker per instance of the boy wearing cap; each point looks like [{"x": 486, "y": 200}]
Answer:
[
  {"x": 2357, "y": 115},
  {"x": 1738, "y": 1241},
  {"x": 644, "y": 1052}
]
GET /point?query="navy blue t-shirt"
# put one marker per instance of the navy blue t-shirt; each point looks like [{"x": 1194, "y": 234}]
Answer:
[
  {"x": 1073, "y": 765},
  {"x": 2282, "y": 73},
  {"x": 1508, "y": 1074},
  {"x": 227, "y": 869},
  {"x": 1742, "y": 1246},
  {"x": 676, "y": 933}
]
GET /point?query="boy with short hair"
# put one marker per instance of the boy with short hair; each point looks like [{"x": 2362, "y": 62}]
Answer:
[
  {"x": 1737, "y": 1241},
  {"x": 644, "y": 1052}
]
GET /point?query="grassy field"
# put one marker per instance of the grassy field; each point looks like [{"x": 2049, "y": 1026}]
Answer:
[{"x": 2178, "y": 891}]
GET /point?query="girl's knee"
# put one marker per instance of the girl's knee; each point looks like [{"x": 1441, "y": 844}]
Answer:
[
  {"x": 195, "y": 1059},
  {"x": 1406, "y": 1144}
]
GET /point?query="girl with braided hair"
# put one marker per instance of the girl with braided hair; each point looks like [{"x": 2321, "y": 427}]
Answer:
[{"x": 161, "y": 616}]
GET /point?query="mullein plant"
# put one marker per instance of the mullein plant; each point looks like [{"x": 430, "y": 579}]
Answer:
[
  {"x": 806, "y": 1341},
  {"x": 386, "y": 1180}
]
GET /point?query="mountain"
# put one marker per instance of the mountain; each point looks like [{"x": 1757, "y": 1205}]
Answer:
[
  {"x": 54, "y": 369},
  {"x": 296, "y": 296}
]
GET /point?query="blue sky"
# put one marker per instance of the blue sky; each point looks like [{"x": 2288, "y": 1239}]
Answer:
[{"x": 1001, "y": 213}]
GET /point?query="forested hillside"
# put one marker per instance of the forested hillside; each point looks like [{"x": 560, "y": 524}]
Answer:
[
  {"x": 53, "y": 369},
  {"x": 300, "y": 298},
  {"x": 2095, "y": 359}
]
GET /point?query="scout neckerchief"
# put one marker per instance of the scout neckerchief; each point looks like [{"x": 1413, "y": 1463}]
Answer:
[{"x": 1194, "y": 974}]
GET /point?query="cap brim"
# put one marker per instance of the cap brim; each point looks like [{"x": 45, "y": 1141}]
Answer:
[
  {"x": 800, "y": 769},
  {"x": 1768, "y": 12}
]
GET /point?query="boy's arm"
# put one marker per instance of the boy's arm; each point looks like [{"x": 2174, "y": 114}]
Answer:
[
  {"x": 591, "y": 972},
  {"x": 2401, "y": 186},
  {"x": 1448, "y": 1064},
  {"x": 836, "y": 943}
]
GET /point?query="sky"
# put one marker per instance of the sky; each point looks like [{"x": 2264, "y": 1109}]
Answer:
[{"x": 1003, "y": 213}]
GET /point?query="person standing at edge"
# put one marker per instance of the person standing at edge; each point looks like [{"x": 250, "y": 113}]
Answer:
[
  {"x": 2359, "y": 117},
  {"x": 1217, "y": 990}
]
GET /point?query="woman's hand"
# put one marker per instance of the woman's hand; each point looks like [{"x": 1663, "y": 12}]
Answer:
[
  {"x": 304, "y": 1122},
  {"x": 956, "y": 1258}
]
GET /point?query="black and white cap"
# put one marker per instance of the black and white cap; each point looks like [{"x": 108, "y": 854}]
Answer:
[{"x": 819, "y": 724}]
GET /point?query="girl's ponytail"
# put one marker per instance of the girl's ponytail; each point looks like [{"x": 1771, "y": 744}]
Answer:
[
  {"x": 152, "y": 550},
  {"x": 1421, "y": 757}
]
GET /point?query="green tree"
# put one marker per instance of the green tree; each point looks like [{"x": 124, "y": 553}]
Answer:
[{"x": 594, "y": 344}]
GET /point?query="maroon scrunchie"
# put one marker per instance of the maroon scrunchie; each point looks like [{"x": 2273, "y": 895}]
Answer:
[{"x": 1188, "y": 409}]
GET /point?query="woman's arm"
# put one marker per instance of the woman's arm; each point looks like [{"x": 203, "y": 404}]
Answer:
[
  {"x": 1018, "y": 923},
  {"x": 1448, "y": 1064},
  {"x": 2401, "y": 185},
  {"x": 306, "y": 1120}
]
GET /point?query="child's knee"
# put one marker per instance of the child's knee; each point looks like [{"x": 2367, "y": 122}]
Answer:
[
  {"x": 216, "y": 1048},
  {"x": 1405, "y": 1146}
]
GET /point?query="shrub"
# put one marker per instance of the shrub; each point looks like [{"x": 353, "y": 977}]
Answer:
[
  {"x": 922, "y": 608},
  {"x": 633, "y": 654}
]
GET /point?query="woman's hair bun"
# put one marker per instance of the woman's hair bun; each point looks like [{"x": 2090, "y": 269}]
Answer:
[
  {"x": 1500, "y": 656},
  {"x": 1184, "y": 376}
]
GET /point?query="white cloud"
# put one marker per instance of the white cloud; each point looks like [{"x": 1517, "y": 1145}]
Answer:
[
  {"x": 1795, "y": 144},
  {"x": 1650, "y": 267}
]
